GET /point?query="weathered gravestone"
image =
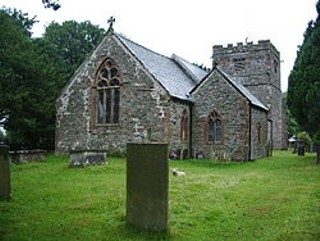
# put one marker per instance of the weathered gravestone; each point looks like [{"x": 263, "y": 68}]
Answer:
[
  {"x": 147, "y": 186},
  {"x": 83, "y": 158},
  {"x": 5, "y": 184},
  {"x": 26, "y": 156},
  {"x": 300, "y": 147}
]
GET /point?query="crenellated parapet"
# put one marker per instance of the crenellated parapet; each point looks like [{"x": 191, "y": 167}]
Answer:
[{"x": 241, "y": 47}]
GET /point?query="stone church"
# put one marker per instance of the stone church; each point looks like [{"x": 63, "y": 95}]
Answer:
[{"x": 126, "y": 93}]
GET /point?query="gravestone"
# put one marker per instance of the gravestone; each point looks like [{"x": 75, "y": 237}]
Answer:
[
  {"x": 147, "y": 186},
  {"x": 26, "y": 156},
  {"x": 83, "y": 158},
  {"x": 300, "y": 147},
  {"x": 5, "y": 185}
]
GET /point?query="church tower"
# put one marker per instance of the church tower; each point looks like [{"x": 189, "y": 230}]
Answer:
[{"x": 257, "y": 67}]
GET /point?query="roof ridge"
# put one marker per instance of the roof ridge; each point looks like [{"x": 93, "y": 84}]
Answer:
[{"x": 141, "y": 46}]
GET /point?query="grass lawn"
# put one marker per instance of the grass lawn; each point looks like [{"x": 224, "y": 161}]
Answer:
[{"x": 275, "y": 198}]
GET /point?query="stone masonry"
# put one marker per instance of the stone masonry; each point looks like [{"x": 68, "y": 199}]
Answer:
[
  {"x": 76, "y": 127},
  {"x": 237, "y": 117},
  {"x": 257, "y": 66},
  {"x": 169, "y": 100}
]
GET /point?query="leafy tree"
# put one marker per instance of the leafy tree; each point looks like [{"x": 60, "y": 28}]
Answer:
[
  {"x": 33, "y": 72},
  {"x": 22, "y": 19},
  {"x": 304, "y": 83},
  {"x": 293, "y": 127},
  {"x": 306, "y": 140},
  {"x": 27, "y": 104},
  {"x": 67, "y": 45},
  {"x": 55, "y": 5}
]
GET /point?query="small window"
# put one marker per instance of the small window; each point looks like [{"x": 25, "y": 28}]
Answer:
[
  {"x": 258, "y": 133},
  {"x": 108, "y": 91},
  {"x": 184, "y": 126},
  {"x": 276, "y": 66},
  {"x": 214, "y": 128},
  {"x": 239, "y": 63}
]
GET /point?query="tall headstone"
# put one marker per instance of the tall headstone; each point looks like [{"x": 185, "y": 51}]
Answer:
[
  {"x": 147, "y": 186},
  {"x": 5, "y": 184}
]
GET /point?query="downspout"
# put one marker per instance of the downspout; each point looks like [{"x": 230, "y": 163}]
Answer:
[{"x": 270, "y": 134}]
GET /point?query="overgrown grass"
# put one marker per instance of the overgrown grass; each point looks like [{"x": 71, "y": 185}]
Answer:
[{"x": 274, "y": 198}]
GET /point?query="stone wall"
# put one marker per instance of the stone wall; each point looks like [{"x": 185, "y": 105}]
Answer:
[
  {"x": 181, "y": 148},
  {"x": 259, "y": 133},
  {"x": 257, "y": 66},
  {"x": 144, "y": 114},
  {"x": 217, "y": 94}
]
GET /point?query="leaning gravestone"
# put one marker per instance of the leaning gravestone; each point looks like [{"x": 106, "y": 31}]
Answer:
[
  {"x": 5, "y": 185},
  {"x": 147, "y": 185}
]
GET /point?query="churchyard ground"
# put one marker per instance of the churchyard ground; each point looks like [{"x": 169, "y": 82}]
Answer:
[{"x": 276, "y": 198}]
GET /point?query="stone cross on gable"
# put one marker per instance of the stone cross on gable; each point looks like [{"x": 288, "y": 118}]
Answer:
[{"x": 111, "y": 21}]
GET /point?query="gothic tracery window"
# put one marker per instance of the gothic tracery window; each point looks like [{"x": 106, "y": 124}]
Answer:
[
  {"x": 108, "y": 90},
  {"x": 214, "y": 128}
]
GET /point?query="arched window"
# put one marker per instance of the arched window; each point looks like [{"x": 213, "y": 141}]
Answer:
[
  {"x": 184, "y": 126},
  {"x": 108, "y": 89},
  {"x": 214, "y": 128},
  {"x": 258, "y": 133}
]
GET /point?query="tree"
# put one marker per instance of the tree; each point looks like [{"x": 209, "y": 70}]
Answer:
[
  {"x": 27, "y": 104},
  {"x": 293, "y": 127},
  {"x": 304, "y": 83},
  {"x": 55, "y": 5},
  {"x": 33, "y": 72},
  {"x": 67, "y": 45},
  {"x": 22, "y": 19}
]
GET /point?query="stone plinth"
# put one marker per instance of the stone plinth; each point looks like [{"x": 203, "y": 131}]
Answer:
[
  {"x": 83, "y": 158},
  {"x": 5, "y": 183},
  {"x": 147, "y": 186}
]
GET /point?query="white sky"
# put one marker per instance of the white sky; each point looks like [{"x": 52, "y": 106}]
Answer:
[{"x": 189, "y": 28}]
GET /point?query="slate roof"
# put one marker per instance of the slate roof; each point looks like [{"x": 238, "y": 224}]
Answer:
[
  {"x": 194, "y": 72},
  {"x": 178, "y": 76},
  {"x": 174, "y": 79}
]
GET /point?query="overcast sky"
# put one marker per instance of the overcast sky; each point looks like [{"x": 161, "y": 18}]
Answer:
[{"x": 189, "y": 28}]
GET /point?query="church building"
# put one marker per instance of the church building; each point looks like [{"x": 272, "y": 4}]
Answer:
[{"x": 126, "y": 93}]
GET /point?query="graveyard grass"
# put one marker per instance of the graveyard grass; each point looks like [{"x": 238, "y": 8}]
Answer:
[{"x": 275, "y": 198}]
